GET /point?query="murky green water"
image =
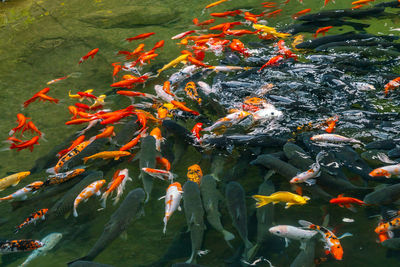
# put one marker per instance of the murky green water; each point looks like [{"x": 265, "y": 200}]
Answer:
[{"x": 43, "y": 40}]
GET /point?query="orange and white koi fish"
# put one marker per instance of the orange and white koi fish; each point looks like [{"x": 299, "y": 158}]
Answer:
[
  {"x": 33, "y": 218},
  {"x": 197, "y": 128},
  {"x": 13, "y": 179},
  {"x": 172, "y": 200},
  {"x": 195, "y": 174},
  {"x": 160, "y": 174},
  {"x": 156, "y": 133},
  {"x": 333, "y": 138},
  {"x": 27, "y": 144},
  {"x": 181, "y": 106},
  {"x": 164, "y": 162},
  {"x": 183, "y": 34},
  {"x": 332, "y": 243},
  {"x": 307, "y": 176},
  {"x": 22, "y": 120},
  {"x": 392, "y": 85},
  {"x": 388, "y": 227},
  {"x": 386, "y": 171},
  {"x": 90, "y": 190},
  {"x": 118, "y": 183},
  {"x": 322, "y": 30},
  {"x": 116, "y": 155},
  {"x": 229, "y": 120},
  {"x": 91, "y": 53},
  {"x": 140, "y": 36},
  {"x": 57, "y": 80},
  {"x": 62, "y": 177},
  {"x": 22, "y": 193}
]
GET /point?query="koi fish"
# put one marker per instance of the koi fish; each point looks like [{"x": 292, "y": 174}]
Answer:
[
  {"x": 159, "y": 44},
  {"x": 98, "y": 102},
  {"x": 392, "y": 85},
  {"x": 181, "y": 106},
  {"x": 21, "y": 119},
  {"x": 22, "y": 193},
  {"x": 346, "y": 201},
  {"x": 90, "y": 190},
  {"x": 331, "y": 124},
  {"x": 20, "y": 245},
  {"x": 62, "y": 177},
  {"x": 291, "y": 232},
  {"x": 270, "y": 31},
  {"x": 32, "y": 127},
  {"x": 74, "y": 143},
  {"x": 297, "y": 40},
  {"x": 274, "y": 13},
  {"x": 228, "y": 120},
  {"x": 43, "y": 97},
  {"x": 156, "y": 133},
  {"x": 182, "y": 35},
  {"x": 386, "y": 171},
  {"x": 195, "y": 174},
  {"x": 140, "y": 36},
  {"x": 273, "y": 61},
  {"x": 362, "y": 2},
  {"x": 172, "y": 200},
  {"x": 13, "y": 179},
  {"x": 300, "y": 13},
  {"x": 36, "y": 96},
  {"x": 33, "y": 218},
  {"x": 327, "y": 1},
  {"x": 215, "y": 4},
  {"x": 322, "y": 30},
  {"x": 133, "y": 142},
  {"x": 333, "y": 138},
  {"x": 282, "y": 196},
  {"x": 191, "y": 92},
  {"x": 27, "y": 144},
  {"x": 164, "y": 162},
  {"x": 388, "y": 227},
  {"x": 107, "y": 155},
  {"x": 57, "y": 80},
  {"x": 227, "y": 13},
  {"x": 307, "y": 176},
  {"x": 197, "y": 128},
  {"x": 203, "y": 23},
  {"x": 118, "y": 183},
  {"x": 332, "y": 243},
  {"x": 237, "y": 45},
  {"x": 173, "y": 63},
  {"x": 160, "y": 174},
  {"x": 91, "y": 53}
]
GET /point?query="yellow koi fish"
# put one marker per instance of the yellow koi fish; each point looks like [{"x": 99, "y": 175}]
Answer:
[
  {"x": 107, "y": 155},
  {"x": 282, "y": 196},
  {"x": 13, "y": 179},
  {"x": 99, "y": 101},
  {"x": 195, "y": 174},
  {"x": 173, "y": 63},
  {"x": 270, "y": 30},
  {"x": 78, "y": 96}
]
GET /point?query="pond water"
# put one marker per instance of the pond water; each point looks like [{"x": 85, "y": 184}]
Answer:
[{"x": 44, "y": 40}]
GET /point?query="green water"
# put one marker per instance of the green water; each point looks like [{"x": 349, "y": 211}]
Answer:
[{"x": 44, "y": 40}]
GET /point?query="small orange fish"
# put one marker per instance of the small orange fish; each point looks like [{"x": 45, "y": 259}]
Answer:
[
  {"x": 274, "y": 13},
  {"x": 227, "y": 13},
  {"x": 203, "y": 23},
  {"x": 322, "y": 30},
  {"x": 300, "y": 13},
  {"x": 393, "y": 84},
  {"x": 140, "y": 36},
  {"x": 215, "y": 3},
  {"x": 160, "y": 174},
  {"x": 272, "y": 61},
  {"x": 27, "y": 144},
  {"x": 362, "y": 2},
  {"x": 22, "y": 120},
  {"x": 91, "y": 53},
  {"x": 197, "y": 128},
  {"x": 181, "y": 106},
  {"x": 331, "y": 124},
  {"x": 36, "y": 96}
]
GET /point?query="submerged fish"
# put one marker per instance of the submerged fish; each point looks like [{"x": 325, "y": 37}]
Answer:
[
  {"x": 20, "y": 245},
  {"x": 130, "y": 209},
  {"x": 292, "y": 232},
  {"x": 282, "y": 196},
  {"x": 172, "y": 200},
  {"x": 13, "y": 179},
  {"x": 50, "y": 241},
  {"x": 147, "y": 159}
]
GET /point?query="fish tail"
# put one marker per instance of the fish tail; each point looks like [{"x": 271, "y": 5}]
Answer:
[
  {"x": 261, "y": 200},
  {"x": 6, "y": 198},
  {"x": 104, "y": 199},
  {"x": 165, "y": 226},
  {"x": 227, "y": 235},
  {"x": 85, "y": 159},
  {"x": 75, "y": 212}
]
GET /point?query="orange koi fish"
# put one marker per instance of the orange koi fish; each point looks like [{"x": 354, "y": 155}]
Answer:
[
  {"x": 388, "y": 227},
  {"x": 156, "y": 133},
  {"x": 118, "y": 183},
  {"x": 133, "y": 142},
  {"x": 172, "y": 199},
  {"x": 272, "y": 61},
  {"x": 107, "y": 132},
  {"x": 386, "y": 171},
  {"x": 215, "y": 3},
  {"x": 160, "y": 174},
  {"x": 27, "y": 144},
  {"x": 196, "y": 62},
  {"x": 36, "y": 96},
  {"x": 117, "y": 68},
  {"x": 140, "y": 36},
  {"x": 33, "y": 218},
  {"x": 162, "y": 113},
  {"x": 346, "y": 201},
  {"x": 362, "y": 2},
  {"x": 43, "y": 97},
  {"x": 226, "y": 26},
  {"x": 327, "y": 1},
  {"x": 77, "y": 121},
  {"x": 331, "y": 124},
  {"x": 237, "y": 45},
  {"x": 60, "y": 178},
  {"x": 32, "y": 127},
  {"x": 195, "y": 174},
  {"x": 91, "y": 54},
  {"x": 116, "y": 155},
  {"x": 239, "y": 32},
  {"x": 181, "y": 106},
  {"x": 203, "y": 23},
  {"x": 167, "y": 87},
  {"x": 197, "y": 128},
  {"x": 22, "y": 193},
  {"x": 300, "y": 13},
  {"x": 90, "y": 190},
  {"x": 322, "y": 30},
  {"x": 159, "y": 44},
  {"x": 21, "y": 119},
  {"x": 12, "y": 139},
  {"x": 274, "y": 13},
  {"x": 227, "y": 13},
  {"x": 393, "y": 84},
  {"x": 164, "y": 162}
]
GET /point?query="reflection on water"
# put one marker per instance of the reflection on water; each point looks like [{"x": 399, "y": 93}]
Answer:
[{"x": 44, "y": 40}]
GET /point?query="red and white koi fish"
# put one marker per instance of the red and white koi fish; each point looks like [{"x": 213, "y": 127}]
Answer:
[
  {"x": 91, "y": 53},
  {"x": 307, "y": 176},
  {"x": 164, "y": 162},
  {"x": 90, "y": 190},
  {"x": 228, "y": 120},
  {"x": 332, "y": 243},
  {"x": 160, "y": 174},
  {"x": 156, "y": 133},
  {"x": 117, "y": 183},
  {"x": 33, "y": 218},
  {"x": 386, "y": 171},
  {"x": 22, "y": 193},
  {"x": 172, "y": 200},
  {"x": 197, "y": 128},
  {"x": 333, "y": 138}
]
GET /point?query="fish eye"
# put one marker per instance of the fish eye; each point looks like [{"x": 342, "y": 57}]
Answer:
[
  {"x": 272, "y": 113},
  {"x": 278, "y": 232},
  {"x": 338, "y": 246}
]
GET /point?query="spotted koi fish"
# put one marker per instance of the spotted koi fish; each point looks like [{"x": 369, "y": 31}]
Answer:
[
  {"x": 20, "y": 245},
  {"x": 60, "y": 178},
  {"x": 90, "y": 190},
  {"x": 191, "y": 92},
  {"x": 33, "y": 218},
  {"x": 22, "y": 193},
  {"x": 195, "y": 174}
]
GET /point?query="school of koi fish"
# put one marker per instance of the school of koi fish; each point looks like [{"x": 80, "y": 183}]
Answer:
[{"x": 150, "y": 135}]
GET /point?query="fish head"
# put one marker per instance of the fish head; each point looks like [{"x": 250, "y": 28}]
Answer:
[
  {"x": 301, "y": 199},
  {"x": 280, "y": 230},
  {"x": 24, "y": 174},
  {"x": 337, "y": 251},
  {"x": 379, "y": 172},
  {"x": 268, "y": 113},
  {"x": 381, "y": 228},
  {"x": 295, "y": 180}
]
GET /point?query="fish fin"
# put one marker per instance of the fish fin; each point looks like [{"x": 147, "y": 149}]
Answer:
[
  {"x": 304, "y": 223},
  {"x": 303, "y": 244},
  {"x": 310, "y": 182},
  {"x": 306, "y": 197},
  {"x": 345, "y": 235},
  {"x": 124, "y": 235},
  {"x": 340, "y": 195},
  {"x": 390, "y": 234},
  {"x": 98, "y": 193},
  {"x": 318, "y": 174},
  {"x": 85, "y": 159},
  {"x": 275, "y": 202},
  {"x": 351, "y": 207},
  {"x": 288, "y": 205},
  {"x": 116, "y": 158},
  {"x": 75, "y": 213},
  {"x": 15, "y": 184},
  {"x": 228, "y": 235},
  {"x": 25, "y": 196},
  {"x": 341, "y": 205},
  {"x": 161, "y": 197},
  {"x": 261, "y": 200},
  {"x": 66, "y": 216},
  {"x": 287, "y": 241},
  {"x": 326, "y": 221},
  {"x": 179, "y": 208}
]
